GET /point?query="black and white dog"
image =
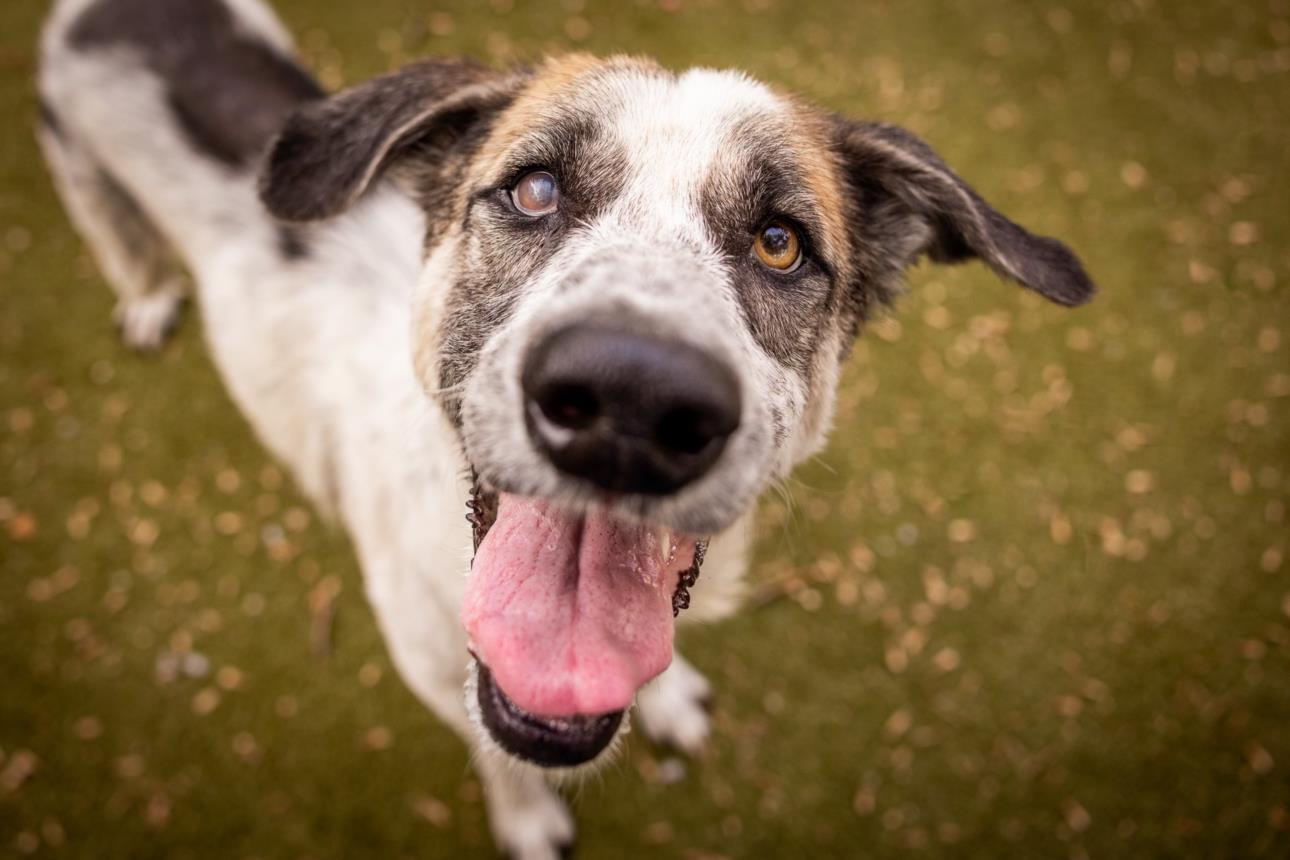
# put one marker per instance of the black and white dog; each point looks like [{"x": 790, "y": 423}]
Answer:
[{"x": 600, "y": 304}]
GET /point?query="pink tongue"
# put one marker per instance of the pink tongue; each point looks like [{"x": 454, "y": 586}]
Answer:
[{"x": 571, "y": 613}]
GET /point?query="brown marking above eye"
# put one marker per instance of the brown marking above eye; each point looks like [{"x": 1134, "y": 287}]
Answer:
[
  {"x": 536, "y": 194},
  {"x": 778, "y": 247}
]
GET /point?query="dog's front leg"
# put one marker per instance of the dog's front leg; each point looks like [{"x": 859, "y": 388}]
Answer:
[
  {"x": 528, "y": 818},
  {"x": 672, "y": 709}
]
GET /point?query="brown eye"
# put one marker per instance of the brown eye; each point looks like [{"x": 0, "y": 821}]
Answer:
[
  {"x": 777, "y": 246},
  {"x": 536, "y": 194}
]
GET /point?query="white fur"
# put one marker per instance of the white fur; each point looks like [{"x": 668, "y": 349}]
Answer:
[{"x": 672, "y": 708}]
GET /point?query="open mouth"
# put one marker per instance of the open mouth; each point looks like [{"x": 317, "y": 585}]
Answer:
[{"x": 569, "y": 614}]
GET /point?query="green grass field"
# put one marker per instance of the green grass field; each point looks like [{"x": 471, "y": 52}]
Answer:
[{"x": 1032, "y": 602}]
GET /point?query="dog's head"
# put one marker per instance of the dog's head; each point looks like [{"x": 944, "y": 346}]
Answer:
[{"x": 638, "y": 288}]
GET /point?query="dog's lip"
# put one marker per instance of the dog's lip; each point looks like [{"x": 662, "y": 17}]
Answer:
[{"x": 545, "y": 741}]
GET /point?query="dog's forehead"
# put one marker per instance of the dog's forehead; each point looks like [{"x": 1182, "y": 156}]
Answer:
[
  {"x": 644, "y": 104},
  {"x": 673, "y": 145},
  {"x": 681, "y": 134},
  {"x": 683, "y": 125},
  {"x": 671, "y": 128}
]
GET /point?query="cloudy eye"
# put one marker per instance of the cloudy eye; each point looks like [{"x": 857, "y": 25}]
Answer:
[
  {"x": 536, "y": 194},
  {"x": 778, "y": 247}
]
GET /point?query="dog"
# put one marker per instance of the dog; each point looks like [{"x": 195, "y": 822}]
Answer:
[{"x": 596, "y": 305}]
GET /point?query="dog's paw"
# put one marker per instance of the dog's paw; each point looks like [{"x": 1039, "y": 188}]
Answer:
[
  {"x": 673, "y": 710},
  {"x": 535, "y": 825},
  {"x": 146, "y": 321}
]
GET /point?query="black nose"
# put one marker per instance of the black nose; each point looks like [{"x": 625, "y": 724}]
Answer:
[{"x": 630, "y": 413}]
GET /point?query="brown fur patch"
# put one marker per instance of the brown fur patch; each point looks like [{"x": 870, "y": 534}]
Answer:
[
  {"x": 556, "y": 82},
  {"x": 812, "y": 144}
]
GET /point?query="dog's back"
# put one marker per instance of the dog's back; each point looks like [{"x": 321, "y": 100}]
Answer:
[
  {"x": 156, "y": 111},
  {"x": 155, "y": 116},
  {"x": 228, "y": 72}
]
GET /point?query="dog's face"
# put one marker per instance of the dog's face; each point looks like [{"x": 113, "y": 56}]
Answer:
[{"x": 638, "y": 289}]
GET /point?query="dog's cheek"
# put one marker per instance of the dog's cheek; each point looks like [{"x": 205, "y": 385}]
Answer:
[
  {"x": 478, "y": 305},
  {"x": 429, "y": 309},
  {"x": 784, "y": 405},
  {"x": 789, "y": 350},
  {"x": 821, "y": 389}
]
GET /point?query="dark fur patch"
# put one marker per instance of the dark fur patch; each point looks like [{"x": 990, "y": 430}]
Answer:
[
  {"x": 133, "y": 231},
  {"x": 760, "y": 183},
  {"x": 477, "y": 305},
  {"x": 50, "y": 120},
  {"x": 909, "y": 203},
  {"x": 573, "y": 145},
  {"x": 291, "y": 242},
  {"x": 438, "y": 171},
  {"x": 329, "y": 151},
  {"x": 229, "y": 91}
]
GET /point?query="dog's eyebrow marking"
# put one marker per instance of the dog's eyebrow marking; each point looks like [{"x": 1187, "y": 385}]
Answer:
[
  {"x": 553, "y": 143},
  {"x": 229, "y": 90},
  {"x": 589, "y": 163},
  {"x": 813, "y": 152},
  {"x": 759, "y": 179},
  {"x": 559, "y": 87}
]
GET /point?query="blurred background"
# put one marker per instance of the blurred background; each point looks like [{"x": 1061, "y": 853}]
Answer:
[{"x": 1032, "y": 602}]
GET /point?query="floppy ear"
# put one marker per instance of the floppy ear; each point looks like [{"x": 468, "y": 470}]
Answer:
[
  {"x": 910, "y": 203},
  {"x": 330, "y": 151}
]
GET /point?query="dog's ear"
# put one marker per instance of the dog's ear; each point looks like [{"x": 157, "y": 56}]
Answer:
[
  {"x": 910, "y": 203},
  {"x": 329, "y": 151}
]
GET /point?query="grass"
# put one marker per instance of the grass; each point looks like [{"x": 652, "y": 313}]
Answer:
[{"x": 1035, "y": 593}]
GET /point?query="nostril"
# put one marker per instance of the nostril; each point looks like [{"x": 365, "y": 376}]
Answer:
[
  {"x": 571, "y": 406},
  {"x": 685, "y": 430},
  {"x": 628, "y": 412}
]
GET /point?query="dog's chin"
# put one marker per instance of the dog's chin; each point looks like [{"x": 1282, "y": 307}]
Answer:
[{"x": 548, "y": 742}]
